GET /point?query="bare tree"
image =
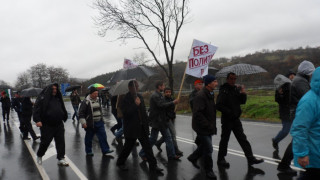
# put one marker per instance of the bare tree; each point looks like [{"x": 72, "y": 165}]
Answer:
[
  {"x": 136, "y": 18},
  {"x": 23, "y": 81},
  {"x": 39, "y": 75},
  {"x": 141, "y": 58},
  {"x": 57, "y": 75}
]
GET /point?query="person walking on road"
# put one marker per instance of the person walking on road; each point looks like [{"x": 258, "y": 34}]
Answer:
[
  {"x": 6, "y": 104},
  {"x": 299, "y": 86},
  {"x": 198, "y": 85},
  {"x": 204, "y": 124},
  {"x": 26, "y": 114},
  {"x": 49, "y": 113},
  {"x": 135, "y": 126},
  {"x": 229, "y": 100},
  {"x": 16, "y": 105},
  {"x": 282, "y": 97},
  {"x": 171, "y": 116},
  {"x": 305, "y": 131},
  {"x": 91, "y": 118},
  {"x": 75, "y": 101},
  {"x": 158, "y": 121}
]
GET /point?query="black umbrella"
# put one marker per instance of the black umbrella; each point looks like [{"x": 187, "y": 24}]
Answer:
[
  {"x": 139, "y": 72},
  {"x": 31, "y": 92},
  {"x": 121, "y": 87},
  {"x": 71, "y": 88}
]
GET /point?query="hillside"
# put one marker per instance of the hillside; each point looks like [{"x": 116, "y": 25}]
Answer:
[{"x": 275, "y": 62}]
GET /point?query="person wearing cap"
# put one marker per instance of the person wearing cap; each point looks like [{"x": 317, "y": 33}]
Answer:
[
  {"x": 299, "y": 86},
  {"x": 291, "y": 75},
  {"x": 49, "y": 113},
  {"x": 91, "y": 119},
  {"x": 305, "y": 130},
  {"x": 6, "y": 104},
  {"x": 198, "y": 84},
  {"x": 230, "y": 97},
  {"x": 204, "y": 124}
]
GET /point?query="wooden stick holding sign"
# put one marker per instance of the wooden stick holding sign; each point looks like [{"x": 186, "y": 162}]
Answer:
[{"x": 199, "y": 58}]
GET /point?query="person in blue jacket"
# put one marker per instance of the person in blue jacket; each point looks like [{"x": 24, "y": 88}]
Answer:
[{"x": 306, "y": 130}]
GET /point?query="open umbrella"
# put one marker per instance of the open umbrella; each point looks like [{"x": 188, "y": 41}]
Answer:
[
  {"x": 71, "y": 88},
  {"x": 97, "y": 86},
  {"x": 121, "y": 87},
  {"x": 31, "y": 92},
  {"x": 139, "y": 72},
  {"x": 240, "y": 69}
]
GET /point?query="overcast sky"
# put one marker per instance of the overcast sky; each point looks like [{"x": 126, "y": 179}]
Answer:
[{"x": 62, "y": 33}]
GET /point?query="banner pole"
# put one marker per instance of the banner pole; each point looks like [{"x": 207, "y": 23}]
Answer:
[{"x": 183, "y": 77}]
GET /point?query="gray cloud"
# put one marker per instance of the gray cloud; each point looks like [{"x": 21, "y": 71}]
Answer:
[{"x": 62, "y": 33}]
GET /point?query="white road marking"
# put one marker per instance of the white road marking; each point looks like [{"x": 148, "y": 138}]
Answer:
[
  {"x": 49, "y": 153},
  {"x": 239, "y": 153}
]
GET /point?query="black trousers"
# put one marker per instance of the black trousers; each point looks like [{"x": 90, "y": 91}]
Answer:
[
  {"x": 234, "y": 126},
  {"x": 48, "y": 133},
  {"x": 311, "y": 174},
  {"x": 28, "y": 127},
  {"x": 287, "y": 157},
  {"x": 5, "y": 111},
  {"x": 130, "y": 143}
]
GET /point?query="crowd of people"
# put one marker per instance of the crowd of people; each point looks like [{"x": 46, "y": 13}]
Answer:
[{"x": 298, "y": 101}]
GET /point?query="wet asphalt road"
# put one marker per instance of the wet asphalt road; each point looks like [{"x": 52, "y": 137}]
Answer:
[{"x": 17, "y": 157}]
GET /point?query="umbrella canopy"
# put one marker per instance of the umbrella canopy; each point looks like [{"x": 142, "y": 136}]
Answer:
[
  {"x": 280, "y": 79},
  {"x": 71, "y": 88},
  {"x": 121, "y": 87},
  {"x": 240, "y": 69},
  {"x": 31, "y": 92},
  {"x": 139, "y": 72},
  {"x": 105, "y": 89},
  {"x": 97, "y": 86}
]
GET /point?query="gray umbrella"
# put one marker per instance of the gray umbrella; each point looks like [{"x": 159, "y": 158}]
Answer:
[
  {"x": 280, "y": 79},
  {"x": 121, "y": 87},
  {"x": 240, "y": 69},
  {"x": 31, "y": 92},
  {"x": 140, "y": 72}
]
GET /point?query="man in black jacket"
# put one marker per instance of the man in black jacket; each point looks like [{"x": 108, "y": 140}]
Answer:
[
  {"x": 228, "y": 102},
  {"x": 158, "y": 121},
  {"x": 6, "y": 104},
  {"x": 16, "y": 105},
  {"x": 204, "y": 124},
  {"x": 135, "y": 126},
  {"x": 49, "y": 113}
]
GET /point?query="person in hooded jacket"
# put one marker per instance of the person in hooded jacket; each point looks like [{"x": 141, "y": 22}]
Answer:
[
  {"x": 49, "y": 113},
  {"x": 305, "y": 130},
  {"x": 299, "y": 86},
  {"x": 91, "y": 118},
  {"x": 282, "y": 97}
]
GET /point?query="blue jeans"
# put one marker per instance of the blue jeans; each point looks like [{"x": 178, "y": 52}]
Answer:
[
  {"x": 286, "y": 125},
  {"x": 204, "y": 149},
  {"x": 75, "y": 114},
  {"x": 100, "y": 131},
  {"x": 119, "y": 133},
  {"x": 167, "y": 139}
]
